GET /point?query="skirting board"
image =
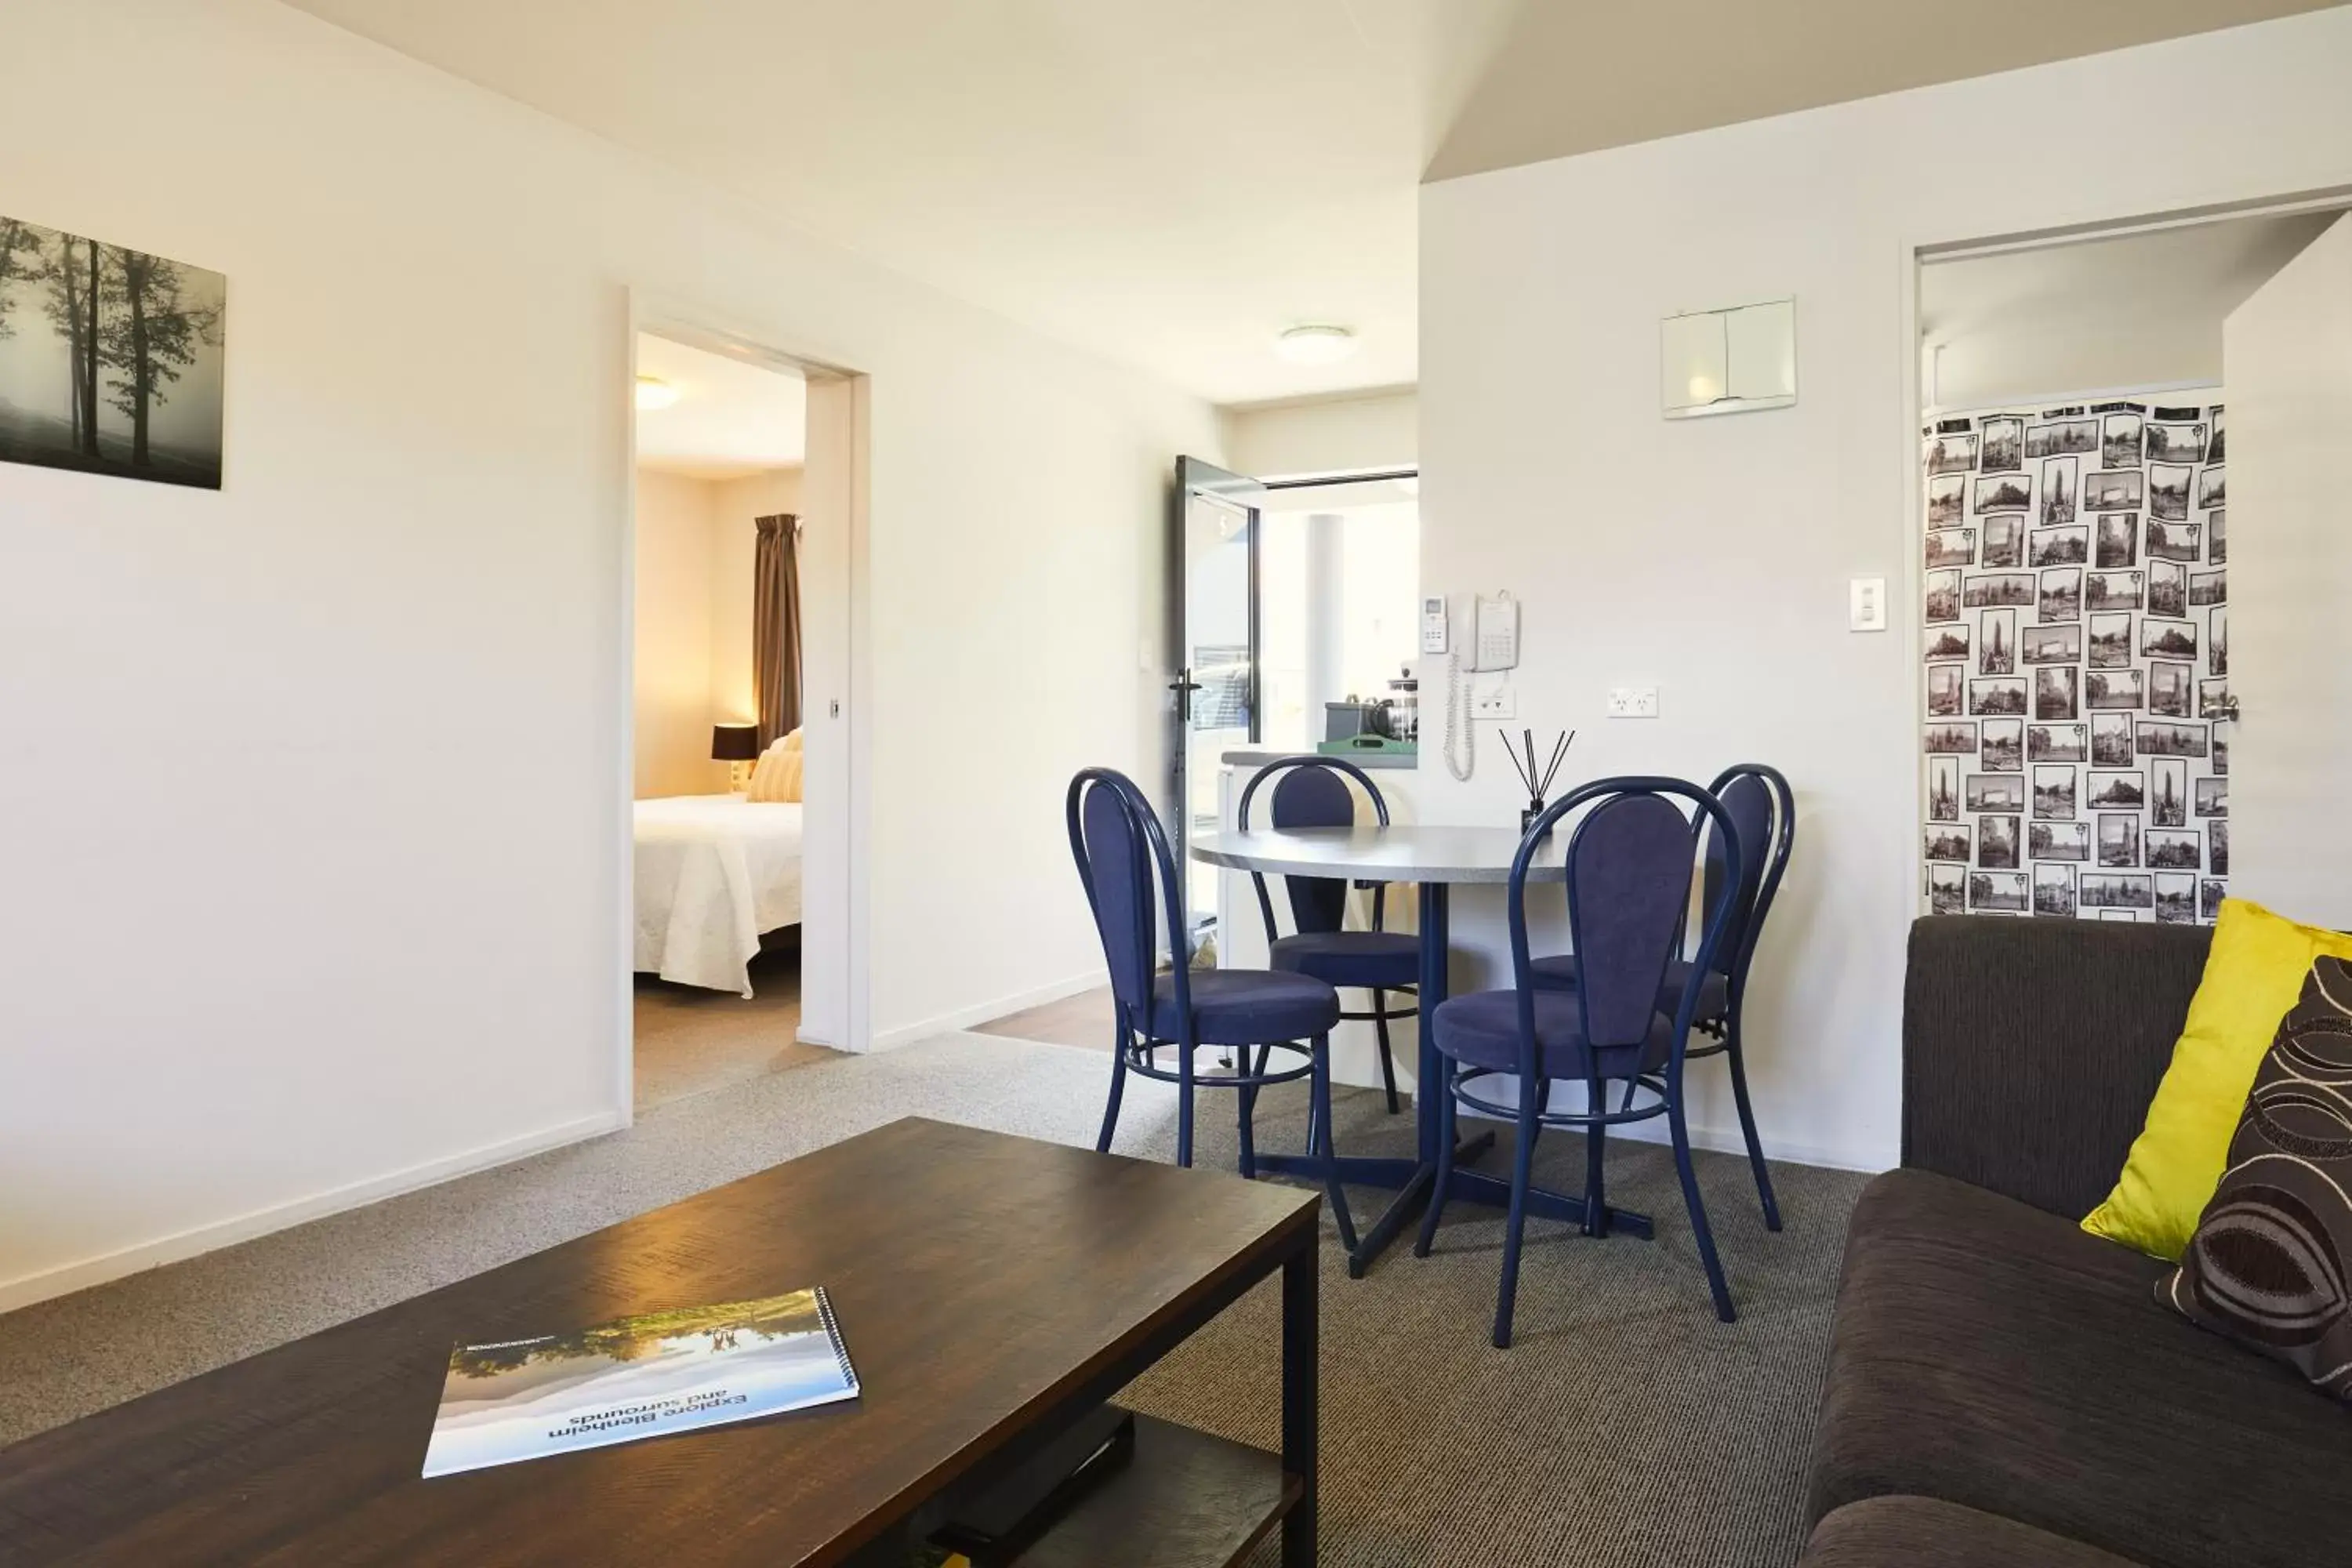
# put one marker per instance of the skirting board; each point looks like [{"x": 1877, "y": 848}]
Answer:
[
  {"x": 68, "y": 1277},
  {"x": 1730, "y": 1141},
  {"x": 965, "y": 1017},
  {"x": 1725, "y": 1141}
]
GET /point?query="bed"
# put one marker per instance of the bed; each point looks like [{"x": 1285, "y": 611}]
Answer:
[{"x": 713, "y": 872}]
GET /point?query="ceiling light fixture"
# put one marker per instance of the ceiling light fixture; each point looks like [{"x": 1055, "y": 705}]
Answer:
[
  {"x": 1316, "y": 345},
  {"x": 652, "y": 392}
]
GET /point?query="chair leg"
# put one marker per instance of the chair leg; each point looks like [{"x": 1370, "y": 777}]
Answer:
[
  {"x": 1245, "y": 1097},
  {"x": 1387, "y": 1058},
  {"x": 1184, "y": 1103},
  {"x": 1443, "y": 1090},
  {"x": 1319, "y": 1087},
  {"x": 1747, "y": 1126},
  {"x": 1596, "y": 1139},
  {"x": 1117, "y": 1088},
  {"x": 1313, "y": 1119},
  {"x": 1691, "y": 1199},
  {"x": 1523, "y": 1159}
]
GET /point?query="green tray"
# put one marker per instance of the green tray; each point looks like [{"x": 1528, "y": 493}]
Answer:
[{"x": 1367, "y": 743}]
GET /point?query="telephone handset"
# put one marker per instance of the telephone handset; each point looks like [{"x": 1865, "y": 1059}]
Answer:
[
  {"x": 1496, "y": 625},
  {"x": 1495, "y": 644}
]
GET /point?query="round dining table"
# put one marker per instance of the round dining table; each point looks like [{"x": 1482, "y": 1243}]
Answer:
[{"x": 1436, "y": 859}]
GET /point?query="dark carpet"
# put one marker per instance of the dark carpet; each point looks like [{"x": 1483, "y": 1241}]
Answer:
[{"x": 1626, "y": 1426}]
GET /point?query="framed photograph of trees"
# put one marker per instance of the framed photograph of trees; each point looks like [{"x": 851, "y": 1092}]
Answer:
[{"x": 110, "y": 358}]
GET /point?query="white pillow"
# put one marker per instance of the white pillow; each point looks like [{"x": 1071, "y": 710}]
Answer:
[{"x": 778, "y": 775}]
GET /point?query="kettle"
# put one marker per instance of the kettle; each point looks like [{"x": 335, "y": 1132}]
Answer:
[{"x": 1398, "y": 717}]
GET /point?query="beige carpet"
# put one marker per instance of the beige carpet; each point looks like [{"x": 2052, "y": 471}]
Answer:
[
  {"x": 690, "y": 1041},
  {"x": 1627, "y": 1426}
]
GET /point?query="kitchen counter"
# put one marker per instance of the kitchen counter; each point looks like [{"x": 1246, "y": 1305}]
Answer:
[{"x": 1368, "y": 761}]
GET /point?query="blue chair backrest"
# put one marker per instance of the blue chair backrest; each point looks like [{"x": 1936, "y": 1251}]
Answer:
[
  {"x": 1118, "y": 842},
  {"x": 1750, "y": 805},
  {"x": 1764, "y": 812},
  {"x": 1629, "y": 881},
  {"x": 1311, "y": 791}
]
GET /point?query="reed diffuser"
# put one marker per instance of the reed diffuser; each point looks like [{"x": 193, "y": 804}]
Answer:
[{"x": 1538, "y": 783}]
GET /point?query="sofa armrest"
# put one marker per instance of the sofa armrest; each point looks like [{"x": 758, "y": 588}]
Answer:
[{"x": 2032, "y": 1048}]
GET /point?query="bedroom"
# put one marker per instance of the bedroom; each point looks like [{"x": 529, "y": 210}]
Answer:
[{"x": 717, "y": 814}]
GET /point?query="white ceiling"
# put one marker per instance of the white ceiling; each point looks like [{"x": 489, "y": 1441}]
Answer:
[
  {"x": 1171, "y": 184},
  {"x": 730, "y": 419},
  {"x": 1578, "y": 74}
]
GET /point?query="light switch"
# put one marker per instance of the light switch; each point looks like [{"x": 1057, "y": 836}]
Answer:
[{"x": 1866, "y": 605}]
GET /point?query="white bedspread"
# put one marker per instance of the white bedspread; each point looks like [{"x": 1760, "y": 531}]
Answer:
[{"x": 713, "y": 871}]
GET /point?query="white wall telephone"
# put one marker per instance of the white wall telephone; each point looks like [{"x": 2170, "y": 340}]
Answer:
[
  {"x": 1496, "y": 624},
  {"x": 1495, "y": 644}
]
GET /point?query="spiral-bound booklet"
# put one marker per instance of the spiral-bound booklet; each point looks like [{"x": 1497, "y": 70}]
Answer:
[{"x": 645, "y": 1376}]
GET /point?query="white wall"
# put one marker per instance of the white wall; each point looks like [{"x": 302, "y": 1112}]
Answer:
[
  {"x": 1325, "y": 435},
  {"x": 312, "y": 791},
  {"x": 2108, "y": 313},
  {"x": 2290, "y": 354},
  {"x": 1711, "y": 556},
  {"x": 677, "y": 560},
  {"x": 2080, "y": 357}
]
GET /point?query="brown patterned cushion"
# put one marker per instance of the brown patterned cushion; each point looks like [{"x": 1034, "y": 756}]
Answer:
[{"x": 2267, "y": 1266}]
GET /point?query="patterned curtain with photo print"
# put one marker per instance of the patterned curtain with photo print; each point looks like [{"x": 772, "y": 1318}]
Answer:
[{"x": 2077, "y": 661}]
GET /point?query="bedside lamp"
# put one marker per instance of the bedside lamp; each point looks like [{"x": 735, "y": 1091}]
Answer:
[{"x": 737, "y": 745}]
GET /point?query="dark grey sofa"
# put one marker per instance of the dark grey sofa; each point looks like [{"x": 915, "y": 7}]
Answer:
[{"x": 2004, "y": 1389}]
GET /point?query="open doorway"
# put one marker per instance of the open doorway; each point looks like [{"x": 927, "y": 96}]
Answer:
[
  {"x": 2078, "y": 412},
  {"x": 1297, "y": 630},
  {"x": 718, "y": 887}
]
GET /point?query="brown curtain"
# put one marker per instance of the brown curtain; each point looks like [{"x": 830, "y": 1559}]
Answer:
[{"x": 776, "y": 626}]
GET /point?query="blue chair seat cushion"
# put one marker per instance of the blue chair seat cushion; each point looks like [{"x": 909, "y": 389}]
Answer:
[
  {"x": 1246, "y": 1008},
  {"x": 1559, "y": 973},
  {"x": 1382, "y": 958},
  {"x": 1481, "y": 1029}
]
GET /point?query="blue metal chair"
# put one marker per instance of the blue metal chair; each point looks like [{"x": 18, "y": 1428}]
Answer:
[
  {"x": 1629, "y": 869},
  {"x": 1313, "y": 793},
  {"x": 1119, "y": 847},
  {"x": 1763, "y": 811}
]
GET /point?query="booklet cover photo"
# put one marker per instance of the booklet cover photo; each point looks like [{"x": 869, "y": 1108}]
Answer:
[{"x": 643, "y": 1376}]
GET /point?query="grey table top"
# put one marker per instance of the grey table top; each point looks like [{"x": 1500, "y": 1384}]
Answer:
[{"x": 1406, "y": 852}]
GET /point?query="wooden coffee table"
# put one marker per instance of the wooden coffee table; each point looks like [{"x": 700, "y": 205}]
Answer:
[{"x": 991, "y": 1290}]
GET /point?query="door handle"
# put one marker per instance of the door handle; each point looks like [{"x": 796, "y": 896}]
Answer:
[{"x": 1184, "y": 685}]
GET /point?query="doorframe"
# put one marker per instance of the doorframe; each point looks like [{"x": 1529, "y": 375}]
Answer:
[
  {"x": 1212, "y": 481},
  {"x": 833, "y": 967},
  {"x": 1916, "y": 250}
]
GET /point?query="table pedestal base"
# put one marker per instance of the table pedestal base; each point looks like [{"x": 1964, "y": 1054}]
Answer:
[{"x": 1411, "y": 1181}]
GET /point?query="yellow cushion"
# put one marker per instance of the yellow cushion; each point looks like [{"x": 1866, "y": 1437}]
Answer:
[
  {"x": 778, "y": 775},
  {"x": 2252, "y": 976}
]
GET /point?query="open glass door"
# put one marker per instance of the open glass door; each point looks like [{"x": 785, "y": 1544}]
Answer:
[{"x": 1216, "y": 540}]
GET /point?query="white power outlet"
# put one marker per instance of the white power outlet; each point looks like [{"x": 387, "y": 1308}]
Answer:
[
  {"x": 1498, "y": 701},
  {"x": 1633, "y": 702}
]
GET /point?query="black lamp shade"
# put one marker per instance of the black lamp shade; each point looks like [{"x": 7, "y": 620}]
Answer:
[{"x": 734, "y": 742}]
